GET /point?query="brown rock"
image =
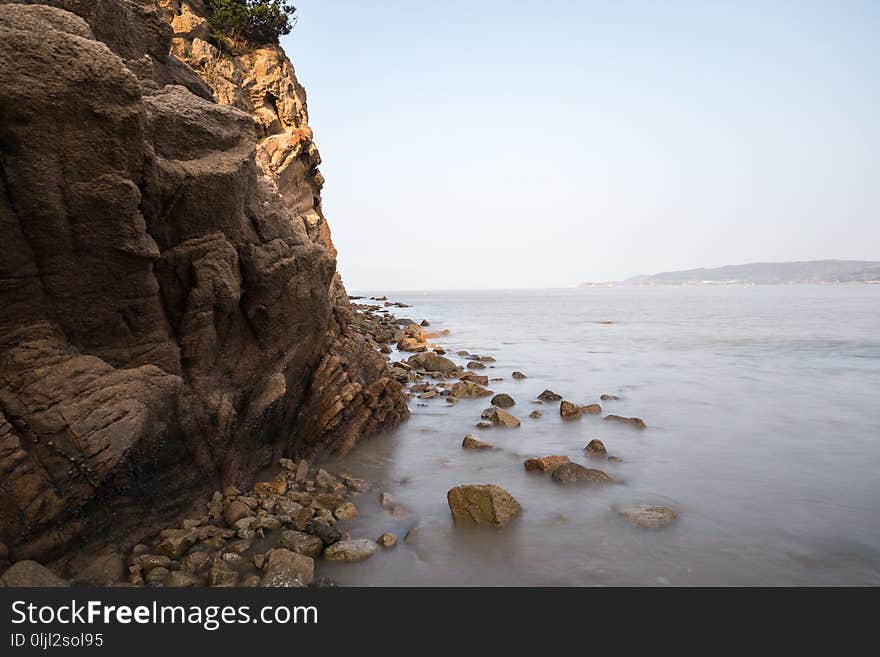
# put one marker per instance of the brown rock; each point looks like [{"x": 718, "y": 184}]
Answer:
[
  {"x": 475, "y": 365},
  {"x": 549, "y": 396},
  {"x": 387, "y": 540},
  {"x": 536, "y": 414},
  {"x": 635, "y": 422},
  {"x": 475, "y": 378},
  {"x": 591, "y": 409},
  {"x": 432, "y": 362},
  {"x": 567, "y": 409},
  {"x": 350, "y": 550},
  {"x": 275, "y": 488},
  {"x": 301, "y": 543},
  {"x": 285, "y": 568},
  {"x": 482, "y": 504},
  {"x": 574, "y": 473},
  {"x": 30, "y": 574},
  {"x": 464, "y": 389},
  {"x": 470, "y": 442},
  {"x": 503, "y": 400},
  {"x": 519, "y": 375},
  {"x": 607, "y": 397},
  {"x": 544, "y": 463},
  {"x": 596, "y": 449},
  {"x": 649, "y": 517},
  {"x": 502, "y": 418}
]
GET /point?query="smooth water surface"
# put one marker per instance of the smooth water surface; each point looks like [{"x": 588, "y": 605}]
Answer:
[{"x": 763, "y": 412}]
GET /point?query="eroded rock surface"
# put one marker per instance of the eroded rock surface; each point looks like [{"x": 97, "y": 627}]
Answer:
[{"x": 172, "y": 316}]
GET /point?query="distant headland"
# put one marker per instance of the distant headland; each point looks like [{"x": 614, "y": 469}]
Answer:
[{"x": 761, "y": 273}]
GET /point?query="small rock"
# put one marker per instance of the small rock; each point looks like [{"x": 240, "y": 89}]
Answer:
[
  {"x": 324, "y": 479},
  {"x": 482, "y": 504},
  {"x": 322, "y": 529},
  {"x": 274, "y": 488},
  {"x": 609, "y": 397},
  {"x": 351, "y": 550},
  {"x": 175, "y": 542},
  {"x": 482, "y": 424},
  {"x": 636, "y": 422},
  {"x": 345, "y": 511},
  {"x": 103, "y": 570},
  {"x": 425, "y": 322},
  {"x": 596, "y": 449},
  {"x": 502, "y": 400},
  {"x": 544, "y": 463},
  {"x": 504, "y": 419},
  {"x": 221, "y": 575},
  {"x": 149, "y": 561},
  {"x": 235, "y": 511},
  {"x": 475, "y": 365},
  {"x": 549, "y": 396},
  {"x": 469, "y": 389},
  {"x": 387, "y": 540},
  {"x": 572, "y": 473},
  {"x": 157, "y": 575},
  {"x": 30, "y": 574},
  {"x": 470, "y": 442},
  {"x": 615, "y": 459},
  {"x": 479, "y": 379},
  {"x": 649, "y": 517},
  {"x": 302, "y": 471},
  {"x": 301, "y": 543},
  {"x": 519, "y": 375},
  {"x": 536, "y": 414},
  {"x": 591, "y": 409},
  {"x": 386, "y": 500},
  {"x": 411, "y": 535},
  {"x": 568, "y": 409},
  {"x": 195, "y": 562},
  {"x": 285, "y": 568},
  {"x": 178, "y": 579}
]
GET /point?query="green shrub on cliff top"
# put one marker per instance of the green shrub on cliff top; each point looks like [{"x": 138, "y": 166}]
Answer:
[{"x": 249, "y": 22}]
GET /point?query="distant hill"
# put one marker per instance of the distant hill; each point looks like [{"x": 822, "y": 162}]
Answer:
[{"x": 766, "y": 273}]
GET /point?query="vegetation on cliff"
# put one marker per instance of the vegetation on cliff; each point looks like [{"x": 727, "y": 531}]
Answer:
[{"x": 238, "y": 23}]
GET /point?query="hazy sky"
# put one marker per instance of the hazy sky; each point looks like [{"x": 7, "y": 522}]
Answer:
[{"x": 511, "y": 144}]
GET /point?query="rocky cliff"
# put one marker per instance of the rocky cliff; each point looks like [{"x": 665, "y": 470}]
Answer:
[{"x": 172, "y": 320}]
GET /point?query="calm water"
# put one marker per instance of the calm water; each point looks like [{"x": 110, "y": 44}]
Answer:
[{"x": 763, "y": 412}]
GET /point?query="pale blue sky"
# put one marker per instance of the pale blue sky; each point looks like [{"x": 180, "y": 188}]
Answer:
[{"x": 513, "y": 144}]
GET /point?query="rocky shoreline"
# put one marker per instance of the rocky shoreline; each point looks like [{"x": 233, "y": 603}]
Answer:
[{"x": 280, "y": 531}]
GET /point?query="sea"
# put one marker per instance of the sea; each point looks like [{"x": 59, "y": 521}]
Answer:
[{"x": 762, "y": 406}]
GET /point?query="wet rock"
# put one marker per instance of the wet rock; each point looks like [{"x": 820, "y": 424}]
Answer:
[
  {"x": 286, "y": 507},
  {"x": 430, "y": 394},
  {"x": 464, "y": 389},
  {"x": 175, "y": 542},
  {"x": 425, "y": 322},
  {"x": 178, "y": 579},
  {"x": 351, "y": 550},
  {"x": 149, "y": 561},
  {"x": 536, "y": 414},
  {"x": 549, "y": 396},
  {"x": 240, "y": 546},
  {"x": 568, "y": 409},
  {"x": 482, "y": 424},
  {"x": 482, "y": 504},
  {"x": 250, "y": 582},
  {"x": 411, "y": 344},
  {"x": 470, "y": 442},
  {"x": 596, "y": 449},
  {"x": 235, "y": 511},
  {"x": 609, "y": 397},
  {"x": 503, "y": 400},
  {"x": 285, "y": 568},
  {"x": 356, "y": 485},
  {"x": 475, "y": 378},
  {"x": 274, "y": 488},
  {"x": 636, "y": 422},
  {"x": 30, "y": 574},
  {"x": 432, "y": 362},
  {"x": 615, "y": 459},
  {"x": 387, "y": 540},
  {"x": 302, "y": 543},
  {"x": 591, "y": 409},
  {"x": 475, "y": 365},
  {"x": 502, "y": 418},
  {"x": 223, "y": 576},
  {"x": 157, "y": 575},
  {"x": 324, "y": 479},
  {"x": 649, "y": 517},
  {"x": 323, "y": 530},
  {"x": 544, "y": 463},
  {"x": 345, "y": 511},
  {"x": 195, "y": 562},
  {"x": 575, "y": 473},
  {"x": 519, "y": 375}
]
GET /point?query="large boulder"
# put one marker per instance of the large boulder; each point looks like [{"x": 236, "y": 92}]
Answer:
[
  {"x": 30, "y": 574},
  {"x": 482, "y": 504}
]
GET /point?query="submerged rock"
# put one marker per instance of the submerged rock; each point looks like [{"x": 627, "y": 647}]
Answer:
[
  {"x": 464, "y": 389},
  {"x": 519, "y": 375},
  {"x": 470, "y": 442},
  {"x": 568, "y": 409},
  {"x": 387, "y": 540},
  {"x": 482, "y": 504},
  {"x": 536, "y": 414},
  {"x": 503, "y": 400},
  {"x": 649, "y": 517},
  {"x": 609, "y": 397},
  {"x": 636, "y": 422},
  {"x": 350, "y": 550},
  {"x": 596, "y": 449},
  {"x": 503, "y": 418},
  {"x": 575, "y": 473},
  {"x": 544, "y": 463},
  {"x": 549, "y": 396},
  {"x": 591, "y": 409}
]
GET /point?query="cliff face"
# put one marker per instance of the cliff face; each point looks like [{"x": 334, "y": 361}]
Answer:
[{"x": 172, "y": 319}]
